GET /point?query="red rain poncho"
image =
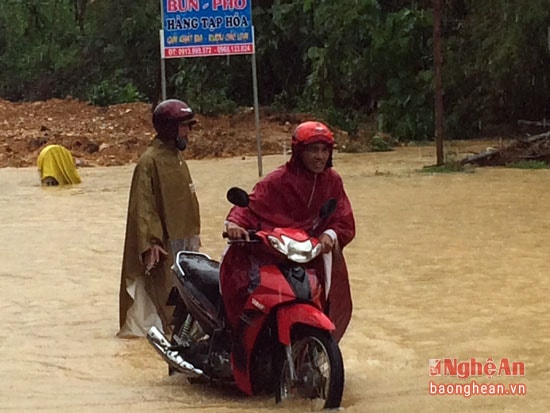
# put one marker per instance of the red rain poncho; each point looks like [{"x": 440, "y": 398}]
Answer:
[{"x": 292, "y": 196}]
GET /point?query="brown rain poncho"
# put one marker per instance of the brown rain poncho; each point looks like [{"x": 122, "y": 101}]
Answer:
[{"x": 163, "y": 209}]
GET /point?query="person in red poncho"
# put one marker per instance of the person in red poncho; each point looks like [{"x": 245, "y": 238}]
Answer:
[{"x": 292, "y": 196}]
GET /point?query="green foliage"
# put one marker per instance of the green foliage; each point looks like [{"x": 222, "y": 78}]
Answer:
[
  {"x": 122, "y": 37},
  {"x": 36, "y": 44},
  {"x": 528, "y": 164},
  {"x": 406, "y": 107},
  {"x": 113, "y": 92},
  {"x": 346, "y": 61},
  {"x": 203, "y": 83},
  {"x": 338, "y": 59},
  {"x": 282, "y": 101},
  {"x": 497, "y": 65},
  {"x": 381, "y": 144},
  {"x": 341, "y": 119}
]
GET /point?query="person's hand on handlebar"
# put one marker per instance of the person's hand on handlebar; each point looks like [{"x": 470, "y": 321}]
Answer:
[
  {"x": 327, "y": 243},
  {"x": 236, "y": 232}
]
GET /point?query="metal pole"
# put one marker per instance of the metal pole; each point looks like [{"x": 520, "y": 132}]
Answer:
[
  {"x": 162, "y": 60},
  {"x": 163, "y": 77},
  {"x": 438, "y": 83},
  {"x": 257, "y": 112}
]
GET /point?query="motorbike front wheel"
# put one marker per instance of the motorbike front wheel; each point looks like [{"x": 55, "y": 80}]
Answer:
[{"x": 317, "y": 365}]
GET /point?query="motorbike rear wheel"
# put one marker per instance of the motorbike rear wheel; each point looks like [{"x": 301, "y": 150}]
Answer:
[{"x": 318, "y": 365}]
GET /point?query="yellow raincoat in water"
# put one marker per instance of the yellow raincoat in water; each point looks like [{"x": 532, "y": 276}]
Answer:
[
  {"x": 163, "y": 209},
  {"x": 57, "y": 162}
]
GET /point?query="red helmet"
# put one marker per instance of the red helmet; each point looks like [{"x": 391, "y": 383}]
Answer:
[
  {"x": 169, "y": 114},
  {"x": 312, "y": 132}
]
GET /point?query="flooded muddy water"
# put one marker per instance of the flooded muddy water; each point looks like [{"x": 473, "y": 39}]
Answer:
[{"x": 443, "y": 266}]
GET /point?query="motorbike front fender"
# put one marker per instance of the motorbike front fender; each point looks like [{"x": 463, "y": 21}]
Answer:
[{"x": 306, "y": 314}]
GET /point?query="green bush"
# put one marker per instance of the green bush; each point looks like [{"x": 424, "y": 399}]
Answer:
[
  {"x": 381, "y": 144},
  {"x": 342, "y": 119},
  {"x": 110, "y": 92},
  {"x": 205, "y": 84}
]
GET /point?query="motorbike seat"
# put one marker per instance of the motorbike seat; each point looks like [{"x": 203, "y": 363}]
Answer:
[{"x": 203, "y": 272}]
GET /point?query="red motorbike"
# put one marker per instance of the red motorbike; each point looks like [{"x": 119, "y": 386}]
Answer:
[{"x": 285, "y": 346}]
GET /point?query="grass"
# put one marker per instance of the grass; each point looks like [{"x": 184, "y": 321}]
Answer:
[
  {"x": 446, "y": 168},
  {"x": 528, "y": 164}
]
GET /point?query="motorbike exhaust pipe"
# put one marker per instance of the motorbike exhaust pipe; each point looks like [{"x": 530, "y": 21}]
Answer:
[{"x": 172, "y": 357}]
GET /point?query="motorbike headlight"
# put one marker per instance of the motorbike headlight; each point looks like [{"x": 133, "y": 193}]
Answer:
[
  {"x": 278, "y": 245},
  {"x": 297, "y": 251}
]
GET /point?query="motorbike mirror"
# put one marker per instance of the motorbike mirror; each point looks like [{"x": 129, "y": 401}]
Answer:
[
  {"x": 328, "y": 208},
  {"x": 238, "y": 196}
]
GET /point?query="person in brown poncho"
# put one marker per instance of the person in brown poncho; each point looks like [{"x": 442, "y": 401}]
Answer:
[{"x": 163, "y": 218}]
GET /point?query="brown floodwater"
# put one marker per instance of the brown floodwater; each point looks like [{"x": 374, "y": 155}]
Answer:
[{"x": 443, "y": 266}]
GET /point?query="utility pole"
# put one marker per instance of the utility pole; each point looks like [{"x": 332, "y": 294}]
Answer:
[{"x": 438, "y": 83}]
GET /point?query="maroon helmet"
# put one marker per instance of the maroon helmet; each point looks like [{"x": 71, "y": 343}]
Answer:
[{"x": 169, "y": 114}]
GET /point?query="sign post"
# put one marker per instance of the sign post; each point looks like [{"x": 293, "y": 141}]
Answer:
[{"x": 201, "y": 28}]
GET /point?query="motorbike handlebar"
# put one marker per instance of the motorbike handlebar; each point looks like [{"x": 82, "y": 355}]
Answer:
[{"x": 251, "y": 235}]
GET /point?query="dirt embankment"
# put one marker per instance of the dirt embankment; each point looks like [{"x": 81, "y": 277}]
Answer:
[{"x": 117, "y": 135}]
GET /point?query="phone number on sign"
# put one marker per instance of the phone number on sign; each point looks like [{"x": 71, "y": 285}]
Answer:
[{"x": 194, "y": 51}]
